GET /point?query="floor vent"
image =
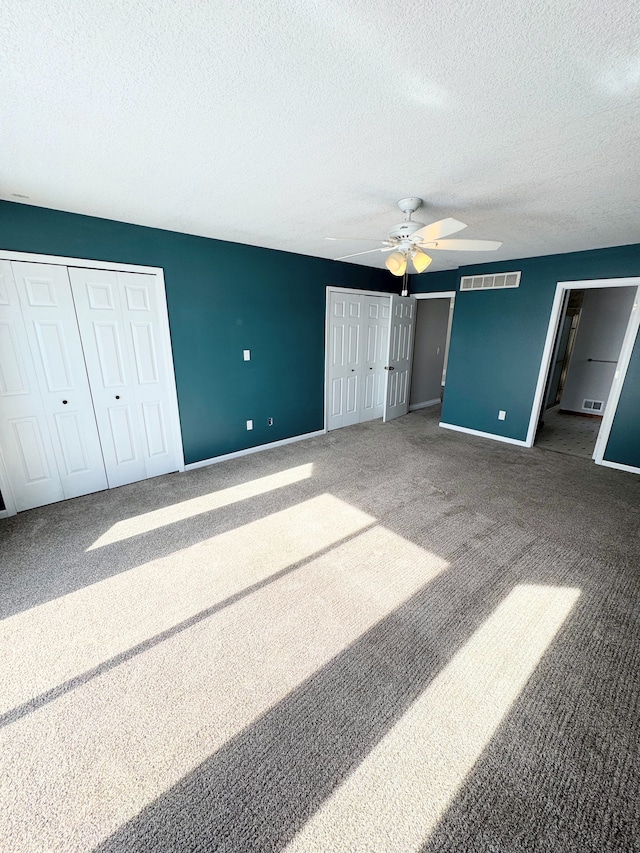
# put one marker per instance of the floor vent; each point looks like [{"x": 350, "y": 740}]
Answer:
[
  {"x": 593, "y": 405},
  {"x": 490, "y": 282}
]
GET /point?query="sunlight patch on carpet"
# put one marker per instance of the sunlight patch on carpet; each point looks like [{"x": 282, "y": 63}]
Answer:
[
  {"x": 78, "y": 631},
  {"x": 148, "y": 521},
  {"x": 77, "y": 769},
  {"x": 397, "y": 795}
]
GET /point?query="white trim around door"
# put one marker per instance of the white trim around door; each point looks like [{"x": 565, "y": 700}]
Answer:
[
  {"x": 621, "y": 372},
  {"x": 327, "y": 333},
  {"x": 165, "y": 343},
  {"x": 444, "y": 294}
]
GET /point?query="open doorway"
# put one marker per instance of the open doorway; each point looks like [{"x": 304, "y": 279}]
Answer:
[
  {"x": 587, "y": 347},
  {"x": 434, "y": 315}
]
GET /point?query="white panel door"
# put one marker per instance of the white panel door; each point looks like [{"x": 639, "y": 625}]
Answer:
[
  {"x": 375, "y": 340},
  {"x": 24, "y": 433},
  {"x": 401, "y": 326},
  {"x": 52, "y": 331},
  {"x": 152, "y": 383},
  {"x": 118, "y": 315},
  {"x": 345, "y": 360}
]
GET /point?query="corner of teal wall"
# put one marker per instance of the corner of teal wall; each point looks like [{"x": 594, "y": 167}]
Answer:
[
  {"x": 498, "y": 338},
  {"x": 623, "y": 445}
]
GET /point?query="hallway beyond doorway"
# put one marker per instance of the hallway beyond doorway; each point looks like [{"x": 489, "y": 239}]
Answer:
[{"x": 564, "y": 432}]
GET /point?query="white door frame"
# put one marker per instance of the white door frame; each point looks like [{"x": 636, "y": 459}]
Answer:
[
  {"x": 451, "y": 296},
  {"x": 443, "y": 294},
  {"x": 165, "y": 342},
  {"x": 332, "y": 288},
  {"x": 621, "y": 372}
]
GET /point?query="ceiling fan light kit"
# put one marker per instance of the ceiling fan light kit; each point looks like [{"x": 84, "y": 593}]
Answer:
[
  {"x": 407, "y": 240},
  {"x": 396, "y": 264},
  {"x": 420, "y": 260}
]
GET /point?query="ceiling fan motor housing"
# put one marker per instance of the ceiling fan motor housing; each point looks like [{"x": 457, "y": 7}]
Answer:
[{"x": 405, "y": 229}]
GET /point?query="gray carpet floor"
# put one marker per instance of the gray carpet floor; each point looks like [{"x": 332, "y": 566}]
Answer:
[
  {"x": 567, "y": 433},
  {"x": 388, "y": 638}
]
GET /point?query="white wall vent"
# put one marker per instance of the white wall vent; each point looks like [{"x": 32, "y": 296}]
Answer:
[
  {"x": 490, "y": 282},
  {"x": 593, "y": 405}
]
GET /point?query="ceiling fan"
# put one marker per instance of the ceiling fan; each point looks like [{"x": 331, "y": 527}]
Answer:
[{"x": 408, "y": 240}]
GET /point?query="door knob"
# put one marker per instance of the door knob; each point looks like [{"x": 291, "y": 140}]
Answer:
[
  {"x": 64, "y": 402},
  {"x": 117, "y": 396},
  {"x": 391, "y": 367}
]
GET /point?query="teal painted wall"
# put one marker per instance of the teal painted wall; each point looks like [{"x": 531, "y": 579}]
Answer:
[
  {"x": 434, "y": 282},
  {"x": 624, "y": 441},
  {"x": 222, "y": 298},
  {"x": 498, "y": 337},
  {"x": 226, "y": 297}
]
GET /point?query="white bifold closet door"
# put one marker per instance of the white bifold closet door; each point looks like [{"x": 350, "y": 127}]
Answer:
[
  {"x": 357, "y": 349},
  {"x": 401, "y": 332},
  {"x": 87, "y": 400},
  {"x": 119, "y": 321},
  {"x": 345, "y": 358},
  {"x": 48, "y": 429},
  {"x": 375, "y": 345}
]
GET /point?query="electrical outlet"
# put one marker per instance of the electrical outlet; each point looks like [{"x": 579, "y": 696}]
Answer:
[
  {"x": 269, "y": 421},
  {"x": 249, "y": 424},
  {"x": 502, "y": 415},
  {"x": 246, "y": 354}
]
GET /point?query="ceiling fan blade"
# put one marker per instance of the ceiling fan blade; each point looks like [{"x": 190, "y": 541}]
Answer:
[
  {"x": 439, "y": 229},
  {"x": 368, "y": 252},
  {"x": 463, "y": 245},
  {"x": 353, "y": 239}
]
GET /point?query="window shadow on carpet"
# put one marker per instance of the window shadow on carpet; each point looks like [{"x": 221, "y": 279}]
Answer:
[{"x": 263, "y": 786}]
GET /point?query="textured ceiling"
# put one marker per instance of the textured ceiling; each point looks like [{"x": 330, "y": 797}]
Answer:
[{"x": 280, "y": 123}]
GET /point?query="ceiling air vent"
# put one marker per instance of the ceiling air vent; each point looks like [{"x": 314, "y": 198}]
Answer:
[
  {"x": 593, "y": 405},
  {"x": 490, "y": 282}
]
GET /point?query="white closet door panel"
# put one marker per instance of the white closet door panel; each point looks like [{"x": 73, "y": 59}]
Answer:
[
  {"x": 141, "y": 310},
  {"x": 24, "y": 433},
  {"x": 155, "y": 429},
  {"x": 375, "y": 333},
  {"x": 96, "y": 295},
  {"x": 345, "y": 374},
  {"x": 402, "y": 322},
  {"x": 13, "y": 377},
  {"x": 337, "y": 361},
  {"x": 121, "y": 324},
  {"x": 382, "y": 355},
  {"x": 123, "y": 433},
  {"x": 111, "y": 355},
  {"x": 52, "y": 330}
]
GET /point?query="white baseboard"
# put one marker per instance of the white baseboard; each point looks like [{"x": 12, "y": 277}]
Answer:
[
  {"x": 4, "y": 513},
  {"x": 417, "y": 406},
  {"x": 619, "y": 466},
  {"x": 236, "y": 454},
  {"x": 485, "y": 434}
]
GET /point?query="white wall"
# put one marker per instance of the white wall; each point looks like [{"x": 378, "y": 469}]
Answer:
[
  {"x": 603, "y": 322},
  {"x": 430, "y": 339}
]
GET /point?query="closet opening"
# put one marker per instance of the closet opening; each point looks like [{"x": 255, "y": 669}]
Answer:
[{"x": 434, "y": 318}]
